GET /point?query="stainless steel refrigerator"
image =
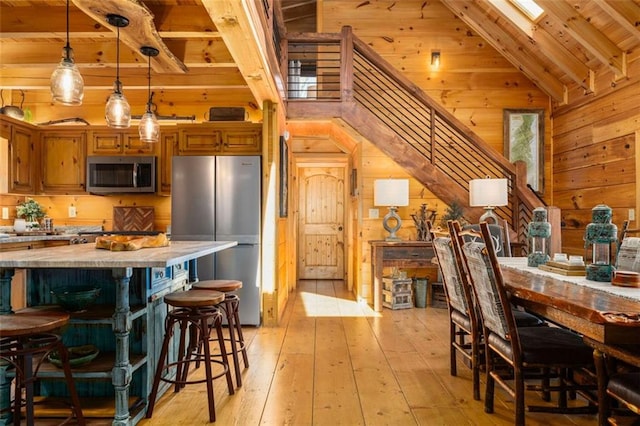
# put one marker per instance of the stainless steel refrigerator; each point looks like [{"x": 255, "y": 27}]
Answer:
[{"x": 218, "y": 198}]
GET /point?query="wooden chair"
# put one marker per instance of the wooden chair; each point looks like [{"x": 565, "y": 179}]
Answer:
[
  {"x": 465, "y": 330},
  {"x": 464, "y": 336},
  {"x": 618, "y": 369},
  {"x": 511, "y": 351}
]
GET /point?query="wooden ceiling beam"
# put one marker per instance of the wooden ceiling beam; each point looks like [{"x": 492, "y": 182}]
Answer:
[
  {"x": 593, "y": 40},
  {"x": 504, "y": 44},
  {"x": 141, "y": 30},
  {"x": 625, "y": 13},
  {"x": 176, "y": 19},
  {"x": 92, "y": 53},
  {"x": 547, "y": 45},
  {"x": 236, "y": 22}
]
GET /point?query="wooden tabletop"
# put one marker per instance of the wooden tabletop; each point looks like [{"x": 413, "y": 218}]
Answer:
[{"x": 602, "y": 316}]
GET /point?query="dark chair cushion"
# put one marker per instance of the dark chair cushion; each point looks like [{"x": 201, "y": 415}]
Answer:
[
  {"x": 547, "y": 346},
  {"x": 626, "y": 386},
  {"x": 525, "y": 319}
]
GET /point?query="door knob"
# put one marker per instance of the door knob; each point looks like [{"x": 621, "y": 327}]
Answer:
[{"x": 339, "y": 228}]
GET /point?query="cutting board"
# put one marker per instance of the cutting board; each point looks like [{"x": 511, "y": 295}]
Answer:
[{"x": 133, "y": 218}]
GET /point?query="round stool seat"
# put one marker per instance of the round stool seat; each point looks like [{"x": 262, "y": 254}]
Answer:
[
  {"x": 219, "y": 285},
  {"x": 26, "y": 334},
  {"x": 34, "y": 320},
  {"x": 193, "y": 299}
]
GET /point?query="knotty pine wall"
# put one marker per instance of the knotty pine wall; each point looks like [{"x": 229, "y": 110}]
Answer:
[
  {"x": 595, "y": 161},
  {"x": 91, "y": 209}
]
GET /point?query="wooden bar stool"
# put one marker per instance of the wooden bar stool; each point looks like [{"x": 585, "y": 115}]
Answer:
[
  {"x": 25, "y": 334},
  {"x": 194, "y": 311},
  {"x": 231, "y": 307}
]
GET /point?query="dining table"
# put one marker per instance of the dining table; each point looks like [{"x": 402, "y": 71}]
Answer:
[{"x": 606, "y": 315}]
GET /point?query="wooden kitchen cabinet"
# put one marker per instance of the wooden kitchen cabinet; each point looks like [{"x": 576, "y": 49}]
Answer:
[
  {"x": 63, "y": 161},
  {"x": 21, "y": 176},
  {"x": 221, "y": 138},
  {"x": 115, "y": 142}
]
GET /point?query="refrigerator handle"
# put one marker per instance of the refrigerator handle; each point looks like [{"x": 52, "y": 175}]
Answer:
[{"x": 135, "y": 174}]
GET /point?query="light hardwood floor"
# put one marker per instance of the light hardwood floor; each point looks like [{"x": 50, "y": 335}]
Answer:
[{"x": 333, "y": 361}]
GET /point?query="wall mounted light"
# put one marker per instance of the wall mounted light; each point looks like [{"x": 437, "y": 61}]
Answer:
[
  {"x": 435, "y": 59},
  {"x": 67, "y": 85},
  {"x": 391, "y": 193},
  {"x": 149, "y": 128},
  {"x": 488, "y": 193},
  {"x": 117, "y": 111}
]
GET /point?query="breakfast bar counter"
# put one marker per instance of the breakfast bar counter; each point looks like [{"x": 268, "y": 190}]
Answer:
[{"x": 132, "y": 284}]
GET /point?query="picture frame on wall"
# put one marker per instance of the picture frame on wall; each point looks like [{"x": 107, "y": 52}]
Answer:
[
  {"x": 284, "y": 177},
  {"x": 524, "y": 141}
]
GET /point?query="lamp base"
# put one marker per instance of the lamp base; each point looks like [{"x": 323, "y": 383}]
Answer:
[
  {"x": 600, "y": 273},
  {"x": 489, "y": 214},
  {"x": 392, "y": 229}
]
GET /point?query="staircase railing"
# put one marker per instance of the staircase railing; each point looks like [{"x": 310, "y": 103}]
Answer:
[{"x": 330, "y": 74}]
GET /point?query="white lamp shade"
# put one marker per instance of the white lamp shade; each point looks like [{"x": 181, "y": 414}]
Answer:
[
  {"x": 391, "y": 192},
  {"x": 488, "y": 192}
]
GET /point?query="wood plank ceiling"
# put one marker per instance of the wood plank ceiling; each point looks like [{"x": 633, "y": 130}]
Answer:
[{"x": 574, "y": 48}]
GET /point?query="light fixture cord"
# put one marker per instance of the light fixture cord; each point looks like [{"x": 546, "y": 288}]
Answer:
[
  {"x": 149, "y": 85},
  {"x": 68, "y": 45},
  {"x": 118, "y": 54}
]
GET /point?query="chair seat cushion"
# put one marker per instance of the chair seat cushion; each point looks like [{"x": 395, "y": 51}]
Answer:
[
  {"x": 525, "y": 319},
  {"x": 626, "y": 386},
  {"x": 546, "y": 346}
]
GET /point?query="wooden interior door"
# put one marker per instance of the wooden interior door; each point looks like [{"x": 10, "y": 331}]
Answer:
[{"x": 321, "y": 223}]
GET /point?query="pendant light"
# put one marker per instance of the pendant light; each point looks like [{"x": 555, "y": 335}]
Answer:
[
  {"x": 149, "y": 128},
  {"x": 117, "y": 111},
  {"x": 67, "y": 86}
]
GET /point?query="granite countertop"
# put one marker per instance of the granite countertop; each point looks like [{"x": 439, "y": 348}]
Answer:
[
  {"x": 86, "y": 256},
  {"x": 61, "y": 234}
]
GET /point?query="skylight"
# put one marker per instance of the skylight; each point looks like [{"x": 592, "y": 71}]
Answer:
[{"x": 530, "y": 8}]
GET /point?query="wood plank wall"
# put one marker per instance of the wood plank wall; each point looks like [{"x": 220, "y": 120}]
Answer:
[{"x": 595, "y": 161}]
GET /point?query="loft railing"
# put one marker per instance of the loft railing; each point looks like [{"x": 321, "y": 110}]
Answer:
[{"x": 340, "y": 68}]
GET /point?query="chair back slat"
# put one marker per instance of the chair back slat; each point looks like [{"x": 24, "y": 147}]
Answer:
[
  {"x": 486, "y": 291},
  {"x": 450, "y": 274}
]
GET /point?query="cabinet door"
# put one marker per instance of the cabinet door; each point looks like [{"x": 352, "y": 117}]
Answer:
[
  {"x": 168, "y": 148},
  {"x": 134, "y": 146},
  {"x": 63, "y": 162},
  {"x": 202, "y": 141},
  {"x": 22, "y": 161},
  {"x": 102, "y": 142},
  {"x": 244, "y": 141}
]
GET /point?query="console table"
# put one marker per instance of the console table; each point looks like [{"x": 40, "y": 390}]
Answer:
[{"x": 401, "y": 254}]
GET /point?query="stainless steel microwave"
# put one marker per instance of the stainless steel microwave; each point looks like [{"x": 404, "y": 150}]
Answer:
[{"x": 121, "y": 174}]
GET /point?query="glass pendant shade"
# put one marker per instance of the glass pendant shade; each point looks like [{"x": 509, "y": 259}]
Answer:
[
  {"x": 118, "y": 111},
  {"x": 67, "y": 85},
  {"x": 149, "y": 128}
]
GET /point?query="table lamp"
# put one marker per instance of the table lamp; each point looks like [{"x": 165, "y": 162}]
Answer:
[
  {"x": 391, "y": 193},
  {"x": 488, "y": 193}
]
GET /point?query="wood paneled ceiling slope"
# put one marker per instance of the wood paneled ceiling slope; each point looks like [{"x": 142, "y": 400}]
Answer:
[{"x": 573, "y": 50}]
